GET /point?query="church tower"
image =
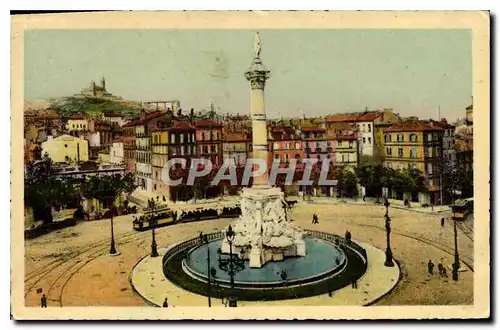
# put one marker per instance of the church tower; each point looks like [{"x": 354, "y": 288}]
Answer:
[{"x": 103, "y": 84}]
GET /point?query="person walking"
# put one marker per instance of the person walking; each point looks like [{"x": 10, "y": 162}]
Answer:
[
  {"x": 440, "y": 269},
  {"x": 43, "y": 301},
  {"x": 430, "y": 267},
  {"x": 445, "y": 274},
  {"x": 354, "y": 283},
  {"x": 442, "y": 222},
  {"x": 165, "y": 303}
]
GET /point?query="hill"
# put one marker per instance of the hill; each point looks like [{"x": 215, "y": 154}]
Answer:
[{"x": 87, "y": 106}]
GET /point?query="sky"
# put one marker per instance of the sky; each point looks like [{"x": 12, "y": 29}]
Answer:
[{"x": 313, "y": 72}]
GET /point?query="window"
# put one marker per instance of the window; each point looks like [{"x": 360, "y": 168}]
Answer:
[
  {"x": 342, "y": 156},
  {"x": 339, "y": 143},
  {"x": 189, "y": 138},
  {"x": 203, "y": 136},
  {"x": 364, "y": 140},
  {"x": 328, "y": 143},
  {"x": 388, "y": 151},
  {"x": 413, "y": 138},
  {"x": 363, "y": 127},
  {"x": 182, "y": 150},
  {"x": 205, "y": 149},
  {"x": 388, "y": 138},
  {"x": 369, "y": 140},
  {"x": 65, "y": 146},
  {"x": 182, "y": 138},
  {"x": 172, "y": 138},
  {"x": 369, "y": 127},
  {"x": 211, "y": 135},
  {"x": 413, "y": 153},
  {"x": 350, "y": 144},
  {"x": 400, "y": 152},
  {"x": 297, "y": 146},
  {"x": 286, "y": 158},
  {"x": 430, "y": 153},
  {"x": 429, "y": 137},
  {"x": 275, "y": 145},
  {"x": 401, "y": 138},
  {"x": 213, "y": 149},
  {"x": 429, "y": 168}
]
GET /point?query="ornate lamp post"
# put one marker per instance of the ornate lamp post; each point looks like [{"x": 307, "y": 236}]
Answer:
[
  {"x": 388, "y": 251},
  {"x": 152, "y": 222},
  {"x": 231, "y": 265},
  {"x": 112, "y": 249},
  {"x": 210, "y": 270},
  {"x": 456, "y": 263},
  {"x": 386, "y": 204}
]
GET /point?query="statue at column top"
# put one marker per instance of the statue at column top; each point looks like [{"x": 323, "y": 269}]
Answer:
[{"x": 257, "y": 45}]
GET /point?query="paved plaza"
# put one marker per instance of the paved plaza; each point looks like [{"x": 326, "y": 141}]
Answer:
[{"x": 73, "y": 268}]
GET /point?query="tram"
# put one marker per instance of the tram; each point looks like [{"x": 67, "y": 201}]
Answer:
[
  {"x": 159, "y": 216},
  {"x": 462, "y": 208}
]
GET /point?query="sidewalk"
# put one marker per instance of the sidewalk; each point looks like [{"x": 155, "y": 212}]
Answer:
[{"x": 371, "y": 201}]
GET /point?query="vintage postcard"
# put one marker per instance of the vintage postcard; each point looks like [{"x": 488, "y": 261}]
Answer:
[{"x": 250, "y": 165}]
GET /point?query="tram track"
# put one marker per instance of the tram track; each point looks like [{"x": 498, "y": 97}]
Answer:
[
  {"x": 467, "y": 260},
  {"x": 63, "y": 268}
]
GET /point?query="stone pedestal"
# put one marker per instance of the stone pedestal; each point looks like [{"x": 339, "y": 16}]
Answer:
[{"x": 262, "y": 233}]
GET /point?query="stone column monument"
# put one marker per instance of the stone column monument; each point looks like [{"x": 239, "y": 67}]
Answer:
[{"x": 263, "y": 232}]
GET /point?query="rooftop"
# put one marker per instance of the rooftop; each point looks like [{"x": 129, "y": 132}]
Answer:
[
  {"x": 207, "y": 123},
  {"x": 413, "y": 126}
]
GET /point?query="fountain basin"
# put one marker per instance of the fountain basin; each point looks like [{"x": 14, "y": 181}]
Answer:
[{"x": 323, "y": 259}]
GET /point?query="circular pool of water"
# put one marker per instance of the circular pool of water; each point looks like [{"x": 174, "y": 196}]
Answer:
[{"x": 322, "y": 258}]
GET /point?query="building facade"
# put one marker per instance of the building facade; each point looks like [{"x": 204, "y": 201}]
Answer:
[
  {"x": 317, "y": 145},
  {"x": 345, "y": 151},
  {"x": 209, "y": 141},
  {"x": 235, "y": 147},
  {"x": 418, "y": 145},
  {"x": 66, "y": 149}
]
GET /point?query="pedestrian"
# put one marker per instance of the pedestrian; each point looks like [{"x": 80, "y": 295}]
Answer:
[
  {"x": 354, "y": 283},
  {"x": 442, "y": 222},
  {"x": 43, "y": 301},
  {"x": 165, "y": 303},
  {"x": 445, "y": 274},
  {"x": 440, "y": 269},
  {"x": 430, "y": 267}
]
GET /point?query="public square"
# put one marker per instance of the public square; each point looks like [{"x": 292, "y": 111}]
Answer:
[{"x": 73, "y": 268}]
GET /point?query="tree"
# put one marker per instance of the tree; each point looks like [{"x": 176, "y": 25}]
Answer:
[
  {"x": 106, "y": 188},
  {"x": 413, "y": 180},
  {"x": 347, "y": 183},
  {"x": 42, "y": 190},
  {"x": 372, "y": 178}
]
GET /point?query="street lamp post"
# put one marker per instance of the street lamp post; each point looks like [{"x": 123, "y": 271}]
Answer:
[
  {"x": 456, "y": 263},
  {"x": 388, "y": 251},
  {"x": 386, "y": 204},
  {"x": 154, "y": 249},
  {"x": 204, "y": 239},
  {"x": 112, "y": 249},
  {"x": 231, "y": 265}
]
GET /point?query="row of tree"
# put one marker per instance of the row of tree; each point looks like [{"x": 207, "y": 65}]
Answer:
[{"x": 44, "y": 191}]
